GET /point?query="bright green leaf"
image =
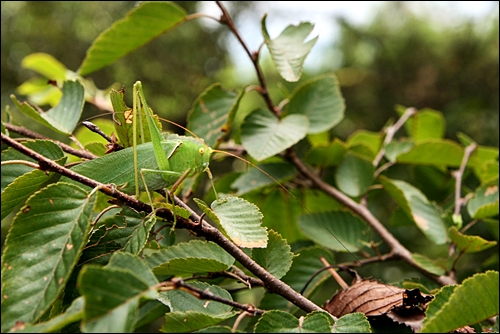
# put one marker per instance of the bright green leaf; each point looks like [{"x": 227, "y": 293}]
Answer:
[
  {"x": 372, "y": 140},
  {"x": 326, "y": 155},
  {"x": 64, "y": 117},
  {"x": 142, "y": 24},
  {"x": 396, "y": 148},
  {"x": 45, "y": 65},
  {"x": 42, "y": 247},
  {"x": 426, "y": 124},
  {"x": 469, "y": 243},
  {"x": 241, "y": 221},
  {"x": 484, "y": 203},
  {"x": 337, "y": 230},
  {"x": 263, "y": 135},
  {"x": 440, "y": 152},
  {"x": 475, "y": 300},
  {"x": 288, "y": 50},
  {"x": 212, "y": 113},
  {"x": 276, "y": 258},
  {"x": 354, "y": 175},
  {"x": 320, "y": 100}
]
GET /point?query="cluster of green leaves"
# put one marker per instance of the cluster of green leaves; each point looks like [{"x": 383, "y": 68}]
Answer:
[{"x": 60, "y": 270}]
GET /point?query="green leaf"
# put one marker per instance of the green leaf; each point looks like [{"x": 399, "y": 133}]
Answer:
[
  {"x": 288, "y": 50},
  {"x": 189, "y": 257},
  {"x": 372, "y": 140},
  {"x": 123, "y": 121},
  {"x": 241, "y": 221},
  {"x": 263, "y": 135},
  {"x": 20, "y": 181},
  {"x": 283, "y": 322},
  {"x": 40, "y": 92},
  {"x": 440, "y": 152},
  {"x": 426, "y": 124},
  {"x": 414, "y": 203},
  {"x": 142, "y": 24},
  {"x": 475, "y": 300},
  {"x": 212, "y": 113},
  {"x": 305, "y": 264},
  {"x": 396, "y": 148},
  {"x": 182, "y": 301},
  {"x": 72, "y": 314},
  {"x": 138, "y": 227},
  {"x": 42, "y": 247},
  {"x": 326, "y": 155},
  {"x": 354, "y": 175},
  {"x": 320, "y": 100},
  {"x": 484, "y": 203},
  {"x": 337, "y": 230},
  {"x": 188, "y": 321},
  {"x": 46, "y": 65},
  {"x": 352, "y": 323},
  {"x": 276, "y": 258},
  {"x": 134, "y": 265},
  {"x": 469, "y": 243},
  {"x": 46, "y": 148},
  {"x": 255, "y": 179},
  {"x": 64, "y": 117},
  {"x": 428, "y": 264},
  {"x": 112, "y": 298}
]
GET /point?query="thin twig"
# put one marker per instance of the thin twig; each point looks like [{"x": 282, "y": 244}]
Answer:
[
  {"x": 458, "y": 175},
  {"x": 254, "y": 57},
  {"x": 391, "y": 131},
  {"x": 66, "y": 148},
  {"x": 397, "y": 248},
  {"x": 179, "y": 284}
]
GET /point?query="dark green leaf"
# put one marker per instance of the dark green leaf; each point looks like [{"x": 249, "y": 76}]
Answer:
[
  {"x": 337, "y": 230},
  {"x": 142, "y": 24},
  {"x": 321, "y": 101},
  {"x": 189, "y": 257},
  {"x": 352, "y": 323},
  {"x": 255, "y": 179},
  {"x": 212, "y": 113},
  {"x": 263, "y": 135},
  {"x": 181, "y": 322},
  {"x": 276, "y": 258},
  {"x": 64, "y": 117},
  {"x": 283, "y": 322},
  {"x": 43, "y": 245},
  {"x": 354, "y": 175},
  {"x": 416, "y": 206}
]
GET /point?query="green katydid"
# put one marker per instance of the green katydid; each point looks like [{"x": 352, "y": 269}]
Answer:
[{"x": 160, "y": 163}]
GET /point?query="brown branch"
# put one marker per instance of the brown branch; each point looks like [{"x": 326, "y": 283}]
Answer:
[
  {"x": 271, "y": 283},
  {"x": 396, "y": 247},
  {"x": 204, "y": 294},
  {"x": 66, "y": 148},
  {"x": 254, "y": 57}
]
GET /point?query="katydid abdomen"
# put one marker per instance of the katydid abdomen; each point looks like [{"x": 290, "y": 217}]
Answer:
[{"x": 183, "y": 153}]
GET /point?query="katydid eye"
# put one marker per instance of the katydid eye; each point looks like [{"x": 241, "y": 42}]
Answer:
[{"x": 201, "y": 150}]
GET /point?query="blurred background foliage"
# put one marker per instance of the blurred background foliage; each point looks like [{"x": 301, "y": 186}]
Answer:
[{"x": 397, "y": 58}]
